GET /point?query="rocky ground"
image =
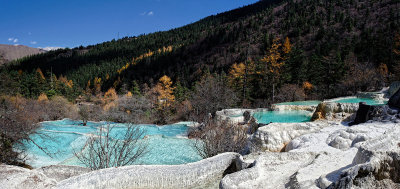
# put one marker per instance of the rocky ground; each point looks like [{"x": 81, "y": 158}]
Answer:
[{"x": 322, "y": 155}]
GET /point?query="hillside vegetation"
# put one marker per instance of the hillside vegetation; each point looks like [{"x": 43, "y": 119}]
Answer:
[{"x": 266, "y": 52}]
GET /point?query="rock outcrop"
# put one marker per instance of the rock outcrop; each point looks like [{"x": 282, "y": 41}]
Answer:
[
  {"x": 363, "y": 113},
  {"x": 275, "y": 136},
  {"x": 232, "y": 115},
  {"x": 377, "y": 164},
  {"x": 393, "y": 88},
  {"x": 270, "y": 170},
  {"x": 334, "y": 111},
  {"x": 379, "y": 96},
  {"x": 394, "y": 101},
  {"x": 381, "y": 113},
  {"x": 12, "y": 177}
]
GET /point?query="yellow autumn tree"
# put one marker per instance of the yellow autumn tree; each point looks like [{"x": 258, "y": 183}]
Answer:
[
  {"x": 111, "y": 95},
  {"x": 43, "y": 98},
  {"x": 307, "y": 87},
  {"x": 68, "y": 83},
  {"x": 165, "y": 92},
  {"x": 88, "y": 90},
  {"x": 236, "y": 75},
  {"x": 39, "y": 71},
  {"x": 240, "y": 75},
  {"x": 287, "y": 47},
  {"x": 274, "y": 59},
  {"x": 274, "y": 62},
  {"x": 97, "y": 85},
  {"x": 129, "y": 94}
]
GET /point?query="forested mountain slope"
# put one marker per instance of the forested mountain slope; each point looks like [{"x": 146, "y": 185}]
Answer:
[{"x": 332, "y": 43}]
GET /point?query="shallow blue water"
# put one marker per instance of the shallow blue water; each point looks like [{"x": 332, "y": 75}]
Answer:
[
  {"x": 303, "y": 103},
  {"x": 286, "y": 116},
  {"x": 167, "y": 146},
  {"x": 358, "y": 100}
]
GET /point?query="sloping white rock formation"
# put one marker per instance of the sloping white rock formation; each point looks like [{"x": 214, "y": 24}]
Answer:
[
  {"x": 332, "y": 155},
  {"x": 271, "y": 170},
  {"x": 198, "y": 174},
  {"x": 62, "y": 172},
  {"x": 205, "y": 173},
  {"x": 377, "y": 163}
]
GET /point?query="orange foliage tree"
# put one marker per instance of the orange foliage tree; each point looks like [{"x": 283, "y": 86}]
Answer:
[
  {"x": 165, "y": 92},
  {"x": 237, "y": 75},
  {"x": 43, "y": 98},
  {"x": 39, "y": 71},
  {"x": 275, "y": 60},
  {"x": 97, "y": 85}
]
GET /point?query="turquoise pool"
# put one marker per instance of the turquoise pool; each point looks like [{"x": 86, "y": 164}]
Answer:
[
  {"x": 358, "y": 100},
  {"x": 301, "y": 103},
  {"x": 286, "y": 116},
  {"x": 167, "y": 144}
]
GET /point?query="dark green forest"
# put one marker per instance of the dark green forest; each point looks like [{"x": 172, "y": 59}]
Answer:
[{"x": 338, "y": 47}]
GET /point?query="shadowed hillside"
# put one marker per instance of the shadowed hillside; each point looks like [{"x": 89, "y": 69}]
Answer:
[{"x": 330, "y": 41}]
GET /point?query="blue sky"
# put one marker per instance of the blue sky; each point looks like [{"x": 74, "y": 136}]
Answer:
[{"x": 70, "y": 23}]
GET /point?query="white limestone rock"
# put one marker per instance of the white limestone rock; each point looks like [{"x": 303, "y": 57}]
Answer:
[
  {"x": 270, "y": 170},
  {"x": 376, "y": 163},
  {"x": 275, "y": 136},
  {"x": 282, "y": 107},
  {"x": 12, "y": 177},
  {"x": 201, "y": 173},
  {"x": 333, "y": 156},
  {"x": 62, "y": 172}
]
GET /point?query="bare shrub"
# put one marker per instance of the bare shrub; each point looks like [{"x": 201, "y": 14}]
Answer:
[
  {"x": 134, "y": 109},
  {"x": 215, "y": 137},
  {"x": 104, "y": 150},
  {"x": 360, "y": 77},
  {"x": 90, "y": 112},
  {"x": 290, "y": 93},
  {"x": 58, "y": 108},
  {"x": 210, "y": 95},
  {"x": 17, "y": 122}
]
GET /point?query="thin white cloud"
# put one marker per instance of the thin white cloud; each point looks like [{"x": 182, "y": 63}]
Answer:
[
  {"x": 150, "y": 13},
  {"x": 50, "y": 48},
  {"x": 33, "y": 42},
  {"x": 16, "y": 44},
  {"x": 10, "y": 39},
  {"x": 15, "y": 40}
]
